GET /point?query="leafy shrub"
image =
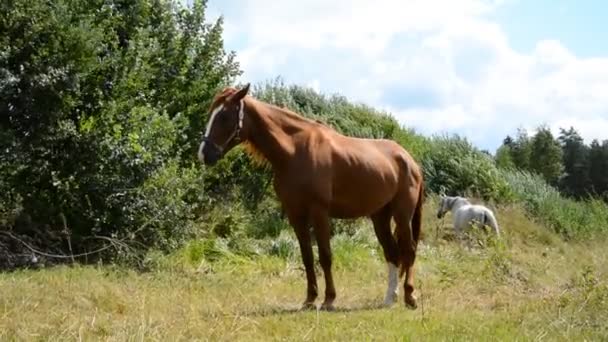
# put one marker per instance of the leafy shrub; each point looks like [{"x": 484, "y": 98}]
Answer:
[
  {"x": 99, "y": 121},
  {"x": 284, "y": 246},
  {"x": 454, "y": 167},
  {"x": 570, "y": 218}
]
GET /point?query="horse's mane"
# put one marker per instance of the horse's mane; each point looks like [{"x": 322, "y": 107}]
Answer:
[
  {"x": 458, "y": 199},
  {"x": 290, "y": 113},
  {"x": 255, "y": 154},
  {"x": 221, "y": 96},
  {"x": 250, "y": 149}
]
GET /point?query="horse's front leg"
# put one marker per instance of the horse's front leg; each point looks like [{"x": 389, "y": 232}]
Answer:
[
  {"x": 321, "y": 225},
  {"x": 459, "y": 227},
  {"x": 300, "y": 226}
]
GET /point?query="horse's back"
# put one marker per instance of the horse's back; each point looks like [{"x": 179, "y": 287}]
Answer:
[
  {"x": 468, "y": 212},
  {"x": 373, "y": 171},
  {"x": 377, "y": 155}
]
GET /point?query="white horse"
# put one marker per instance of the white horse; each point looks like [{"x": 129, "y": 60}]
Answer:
[{"x": 466, "y": 214}]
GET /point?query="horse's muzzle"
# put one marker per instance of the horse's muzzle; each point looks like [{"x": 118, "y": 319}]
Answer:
[
  {"x": 210, "y": 153},
  {"x": 210, "y": 160}
]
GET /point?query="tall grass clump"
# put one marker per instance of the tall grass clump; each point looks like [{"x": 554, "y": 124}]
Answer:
[
  {"x": 454, "y": 167},
  {"x": 570, "y": 218}
]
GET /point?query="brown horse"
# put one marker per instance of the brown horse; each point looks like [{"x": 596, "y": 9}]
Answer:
[{"x": 320, "y": 174}]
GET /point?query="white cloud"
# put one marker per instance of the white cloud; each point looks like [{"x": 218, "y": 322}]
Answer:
[
  {"x": 438, "y": 66},
  {"x": 591, "y": 127}
]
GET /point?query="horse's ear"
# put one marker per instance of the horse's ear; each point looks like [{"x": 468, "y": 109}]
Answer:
[{"x": 239, "y": 95}]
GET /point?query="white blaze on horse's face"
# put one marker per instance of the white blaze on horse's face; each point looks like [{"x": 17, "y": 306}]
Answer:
[
  {"x": 223, "y": 129},
  {"x": 218, "y": 109}
]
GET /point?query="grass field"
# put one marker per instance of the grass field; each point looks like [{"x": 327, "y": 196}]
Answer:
[{"x": 529, "y": 286}]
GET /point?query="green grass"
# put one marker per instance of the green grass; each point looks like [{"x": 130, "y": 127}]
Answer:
[{"x": 531, "y": 285}]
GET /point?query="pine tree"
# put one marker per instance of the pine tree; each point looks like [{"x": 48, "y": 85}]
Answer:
[
  {"x": 546, "y": 155},
  {"x": 575, "y": 181},
  {"x": 520, "y": 149}
]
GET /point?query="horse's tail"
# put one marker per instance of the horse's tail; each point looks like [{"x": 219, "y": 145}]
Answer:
[
  {"x": 416, "y": 228},
  {"x": 417, "y": 219},
  {"x": 491, "y": 221}
]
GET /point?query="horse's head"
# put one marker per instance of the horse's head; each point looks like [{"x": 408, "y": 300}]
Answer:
[
  {"x": 445, "y": 205},
  {"x": 448, "y": 203},
  {"x": 224, "y": 126}
]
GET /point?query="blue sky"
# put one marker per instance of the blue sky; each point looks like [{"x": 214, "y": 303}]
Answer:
[
  {"x": 579, "y": 25},
  {"x": 479, "y": 68}
]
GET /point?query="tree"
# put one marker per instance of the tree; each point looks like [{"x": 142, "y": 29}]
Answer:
[
  {"x": 575, "y": 156},
  {"x": 598, "y": 166},
  {"x": 520, "y": 149},
  {"x": 99, "y": 101},
  {"x": 504, "y": 157},
  {"x": 546, "y": 155}
]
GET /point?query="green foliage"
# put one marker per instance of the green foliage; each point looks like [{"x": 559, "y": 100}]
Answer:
[
  {"x": 570, "y": 218},
  {"x": 101, "y": 103},
  {"x": 503, "y": 158},
  {"x": 546, "y": 155},
  {"x": 574, "y": 168},
  {"x": 453, "y": 166},
  {"x": 598, "y": 164},
  {"x": 520, "y": 149},
  {"x": 284, "y": 246},
  {"x": 575, "y": 181},
  {"x": 165, "y": 206}
]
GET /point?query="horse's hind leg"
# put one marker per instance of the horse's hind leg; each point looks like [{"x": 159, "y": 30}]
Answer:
[
  {"x": 403, "y": 213},
  {"x": 382, "y": 227}
]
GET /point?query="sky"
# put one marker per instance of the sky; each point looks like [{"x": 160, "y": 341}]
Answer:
[{"x": 477, "y": 68}]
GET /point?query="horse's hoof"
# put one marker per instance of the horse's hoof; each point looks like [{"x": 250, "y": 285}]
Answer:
[
  {"x": 308, "y": 306},
  {"x": 328, "y": 306},
  {"x": 388, "y": 303},
  {"x": 410, "y": 302},
  {"x": 390, "y": 299}
]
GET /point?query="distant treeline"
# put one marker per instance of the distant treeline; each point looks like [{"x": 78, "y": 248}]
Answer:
[{"x": 578, "y": 170}]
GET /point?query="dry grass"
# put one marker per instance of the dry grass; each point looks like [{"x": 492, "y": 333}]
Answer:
[{"x": 531, "y": 286}]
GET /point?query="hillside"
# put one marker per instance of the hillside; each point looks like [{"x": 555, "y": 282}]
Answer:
[{"x": 531, "y": 286}]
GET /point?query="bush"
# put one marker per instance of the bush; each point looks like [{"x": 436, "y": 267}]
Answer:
[
  {"x": 99, "y": 120},
  {"x": 570, "y": 218},
  {"x": 454, "y": 167}
]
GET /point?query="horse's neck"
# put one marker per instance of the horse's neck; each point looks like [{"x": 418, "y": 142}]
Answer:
[
  {"x": 271, "y": 130},
  {"x": 459, "y": 203}
]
